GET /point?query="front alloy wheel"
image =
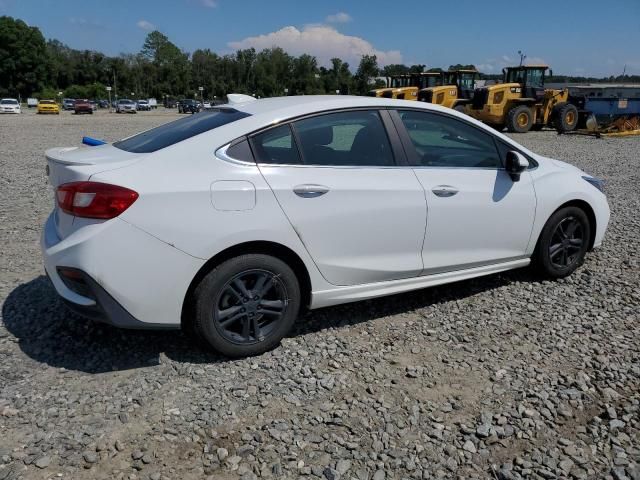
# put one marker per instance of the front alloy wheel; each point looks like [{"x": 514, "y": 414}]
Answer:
[
  {"x": 563, "y": 243},
  {"x": 246, "y": 305}
]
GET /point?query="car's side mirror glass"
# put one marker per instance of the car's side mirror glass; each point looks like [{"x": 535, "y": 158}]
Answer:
[{"x": 515, "y": 164}]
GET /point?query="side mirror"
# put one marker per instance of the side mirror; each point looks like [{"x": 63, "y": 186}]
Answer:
[{"x": 515, "y": 165}]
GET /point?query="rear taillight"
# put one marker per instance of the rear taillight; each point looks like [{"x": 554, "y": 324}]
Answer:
[{"x": 94, "y": 199}]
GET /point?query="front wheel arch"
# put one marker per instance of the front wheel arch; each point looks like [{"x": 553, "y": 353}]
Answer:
[
  {"x": 582, "y": 205},
  {"x": 273, "y": 249}
]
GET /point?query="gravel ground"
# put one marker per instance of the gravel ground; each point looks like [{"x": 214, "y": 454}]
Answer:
[{"x": 502, "y": 377}]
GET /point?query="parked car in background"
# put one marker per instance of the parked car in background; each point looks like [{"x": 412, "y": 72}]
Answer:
[
  {"x": 125, "y": 105},
  {"x": 170, "y": 102},
  {"x": 298, "y": 202},
  {"x": 206, "y": 104},
  {"x": 82, "y": 106},
  {"x": 94, "y": 105},
  {"x": 143, "y": 105},
  {"x": 153, "y": 103},
  {"x": 68, "y": 103},
  {"x": 103, "y": 103},
  {"x": 48, "y": 106},
  {"x": 32, "y": 102},
  {"x": 9, "y": 105},
  {"x": 188, "y": 105}
]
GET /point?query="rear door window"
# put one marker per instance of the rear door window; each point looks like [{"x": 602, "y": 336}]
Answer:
[
  {"x": 179, "y": 130},
  {"x": 355, "y": 138}
]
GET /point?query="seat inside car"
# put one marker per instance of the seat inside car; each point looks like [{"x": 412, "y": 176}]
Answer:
[
  {"x": 370, "y": 147},
  {"x": 315, "y": 143}
]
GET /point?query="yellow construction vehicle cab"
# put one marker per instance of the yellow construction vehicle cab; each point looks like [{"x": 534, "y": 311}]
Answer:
[
  {"x": 521, "y": 102},
  {"x": 455, "y": 92},
  {"x": 406, "y": 87}
]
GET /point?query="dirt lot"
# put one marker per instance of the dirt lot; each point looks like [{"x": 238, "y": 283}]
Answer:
[{"x": 500, "y": 377}]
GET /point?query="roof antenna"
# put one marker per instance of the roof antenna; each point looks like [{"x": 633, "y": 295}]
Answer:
[{"x": 522, "y": 57}]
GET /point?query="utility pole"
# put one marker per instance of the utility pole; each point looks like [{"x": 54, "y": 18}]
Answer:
[{"x": 115, "y": 85}]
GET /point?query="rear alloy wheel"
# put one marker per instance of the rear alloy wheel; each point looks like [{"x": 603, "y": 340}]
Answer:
[
  {"x": 519, "y": 119},
  {"x": 246, "y": 305},
  {"x": 563, "y": 243}
]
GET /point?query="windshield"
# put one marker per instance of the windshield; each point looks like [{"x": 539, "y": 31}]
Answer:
[
  {"x": 47, "y": 102},
  {"x": 179, "y": 130},
  {"x": 535, "y": 78},
  {"x": 125, "y": 101},
  {"x": 467, "y": 80},
  {"x": 398, "y": 82},
  {"x": 532, "y": 77},
  {"x": 429, "y": 81},
  {"x": 8, "y": 101}
]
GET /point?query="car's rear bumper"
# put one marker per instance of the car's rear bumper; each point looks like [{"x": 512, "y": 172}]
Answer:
[
  {"x": 106, "y": 309},
  {"x": 131, "y": 279}
]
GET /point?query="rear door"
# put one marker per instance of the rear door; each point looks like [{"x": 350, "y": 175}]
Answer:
[{"x": 360, "y": 215}]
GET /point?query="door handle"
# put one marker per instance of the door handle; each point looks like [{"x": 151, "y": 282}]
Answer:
[
  {"x": 444, "y": 191},
  {"x": 310, "y": 190}
]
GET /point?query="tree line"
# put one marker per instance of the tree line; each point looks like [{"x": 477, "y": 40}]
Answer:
[{"x": 30, "y": 65}]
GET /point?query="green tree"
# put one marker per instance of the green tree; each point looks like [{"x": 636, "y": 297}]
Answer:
[
  {"x": 459, "y": 66},
  {"x": 23, "y": 58},
  {"x": 367, "y": 71},
  {"x": 394, "y": 69}
]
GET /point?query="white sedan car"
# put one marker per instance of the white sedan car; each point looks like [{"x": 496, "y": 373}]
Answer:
[
  {"x": 227, "y": 223},
  {"x": 9, "y": 105}
]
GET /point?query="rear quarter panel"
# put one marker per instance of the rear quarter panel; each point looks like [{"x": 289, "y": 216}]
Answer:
[{"x": 176, "y": 205}]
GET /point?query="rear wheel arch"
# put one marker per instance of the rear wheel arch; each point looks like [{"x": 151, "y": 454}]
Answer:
[{"x": 273, "y": 249}]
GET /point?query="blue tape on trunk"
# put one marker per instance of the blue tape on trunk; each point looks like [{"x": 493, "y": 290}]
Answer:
[{"x": 92, "y": 142}]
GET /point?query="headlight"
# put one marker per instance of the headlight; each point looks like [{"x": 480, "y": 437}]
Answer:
[{"x": 596, "y": 182}]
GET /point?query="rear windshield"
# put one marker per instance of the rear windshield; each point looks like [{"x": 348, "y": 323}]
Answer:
[{"x": 179, "y": 130}]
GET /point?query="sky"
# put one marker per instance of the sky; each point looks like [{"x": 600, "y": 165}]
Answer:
[{"x": 575, "y": 37}]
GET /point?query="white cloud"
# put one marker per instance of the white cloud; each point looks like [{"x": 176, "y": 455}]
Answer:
[
  {"x": 146, "y": 25},
  {"x": 322, "y": 41},
  {"x": 340, "y": 17}
]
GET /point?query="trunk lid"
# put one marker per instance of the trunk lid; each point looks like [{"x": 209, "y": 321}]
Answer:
[{"x": 75, "y": 164}]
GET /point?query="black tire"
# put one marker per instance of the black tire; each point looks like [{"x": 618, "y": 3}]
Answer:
[
  {"x": 519, "y": 119},
  {"x": 228, "y": 311},
  {"x": 565, "y": 117},
  {"x": 563, "y": 243}
]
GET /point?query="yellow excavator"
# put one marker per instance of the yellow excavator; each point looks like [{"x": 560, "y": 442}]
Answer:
[
  {"x": 456, "y": 90},
  {"x": 406, "y": 86},
  {"x": 521, "y": 103}
]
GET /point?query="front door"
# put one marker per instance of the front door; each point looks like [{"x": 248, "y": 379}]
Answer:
[
  {"x": 477, "y": 215},
  {"x": 361, "y": 217}
]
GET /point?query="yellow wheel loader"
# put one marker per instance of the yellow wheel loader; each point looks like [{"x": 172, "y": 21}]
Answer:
[
  {"x": 521, "y": 103},
  {"x": 406, "y": 87},
  {"x": 456, "y": 91}
]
